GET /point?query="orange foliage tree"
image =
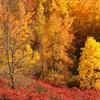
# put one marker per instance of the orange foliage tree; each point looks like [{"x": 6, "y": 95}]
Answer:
[
  {"x": 86, "y": 20},
  {"x": 52, "y": 25}
]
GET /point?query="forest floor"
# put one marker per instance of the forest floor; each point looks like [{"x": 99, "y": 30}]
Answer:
[{"x": 33, "y": 89}]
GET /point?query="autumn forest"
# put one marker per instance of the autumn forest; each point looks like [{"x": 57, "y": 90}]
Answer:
[{"x": 49, "y": 49}]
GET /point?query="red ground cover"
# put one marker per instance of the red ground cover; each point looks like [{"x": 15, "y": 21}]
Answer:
[{"x": 40, "y": 90}]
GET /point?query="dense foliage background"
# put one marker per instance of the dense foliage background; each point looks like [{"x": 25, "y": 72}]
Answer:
[{"x": 42, "y": 40}]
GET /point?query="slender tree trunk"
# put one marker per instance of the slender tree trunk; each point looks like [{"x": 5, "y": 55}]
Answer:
[{"x": 12, "y": 81}]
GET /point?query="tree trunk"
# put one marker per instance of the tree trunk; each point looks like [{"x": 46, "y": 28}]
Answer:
[{"x": 12, "y": 81}]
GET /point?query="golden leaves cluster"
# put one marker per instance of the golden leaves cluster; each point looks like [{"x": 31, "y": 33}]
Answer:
[{"x": 89, "y": 66}]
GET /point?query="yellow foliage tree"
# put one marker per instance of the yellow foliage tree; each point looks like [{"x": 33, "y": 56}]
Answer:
[
  {"x": 89, "y": 66},
  {"x": 16, "y": 52},
  {"x": 39, "y": 28}
]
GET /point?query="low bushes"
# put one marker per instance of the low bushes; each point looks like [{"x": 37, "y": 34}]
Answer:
[{"x": 40, "y": 90}]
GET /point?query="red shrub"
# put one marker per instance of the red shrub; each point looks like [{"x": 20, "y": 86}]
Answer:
[{"x": 40, "y": 90}]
